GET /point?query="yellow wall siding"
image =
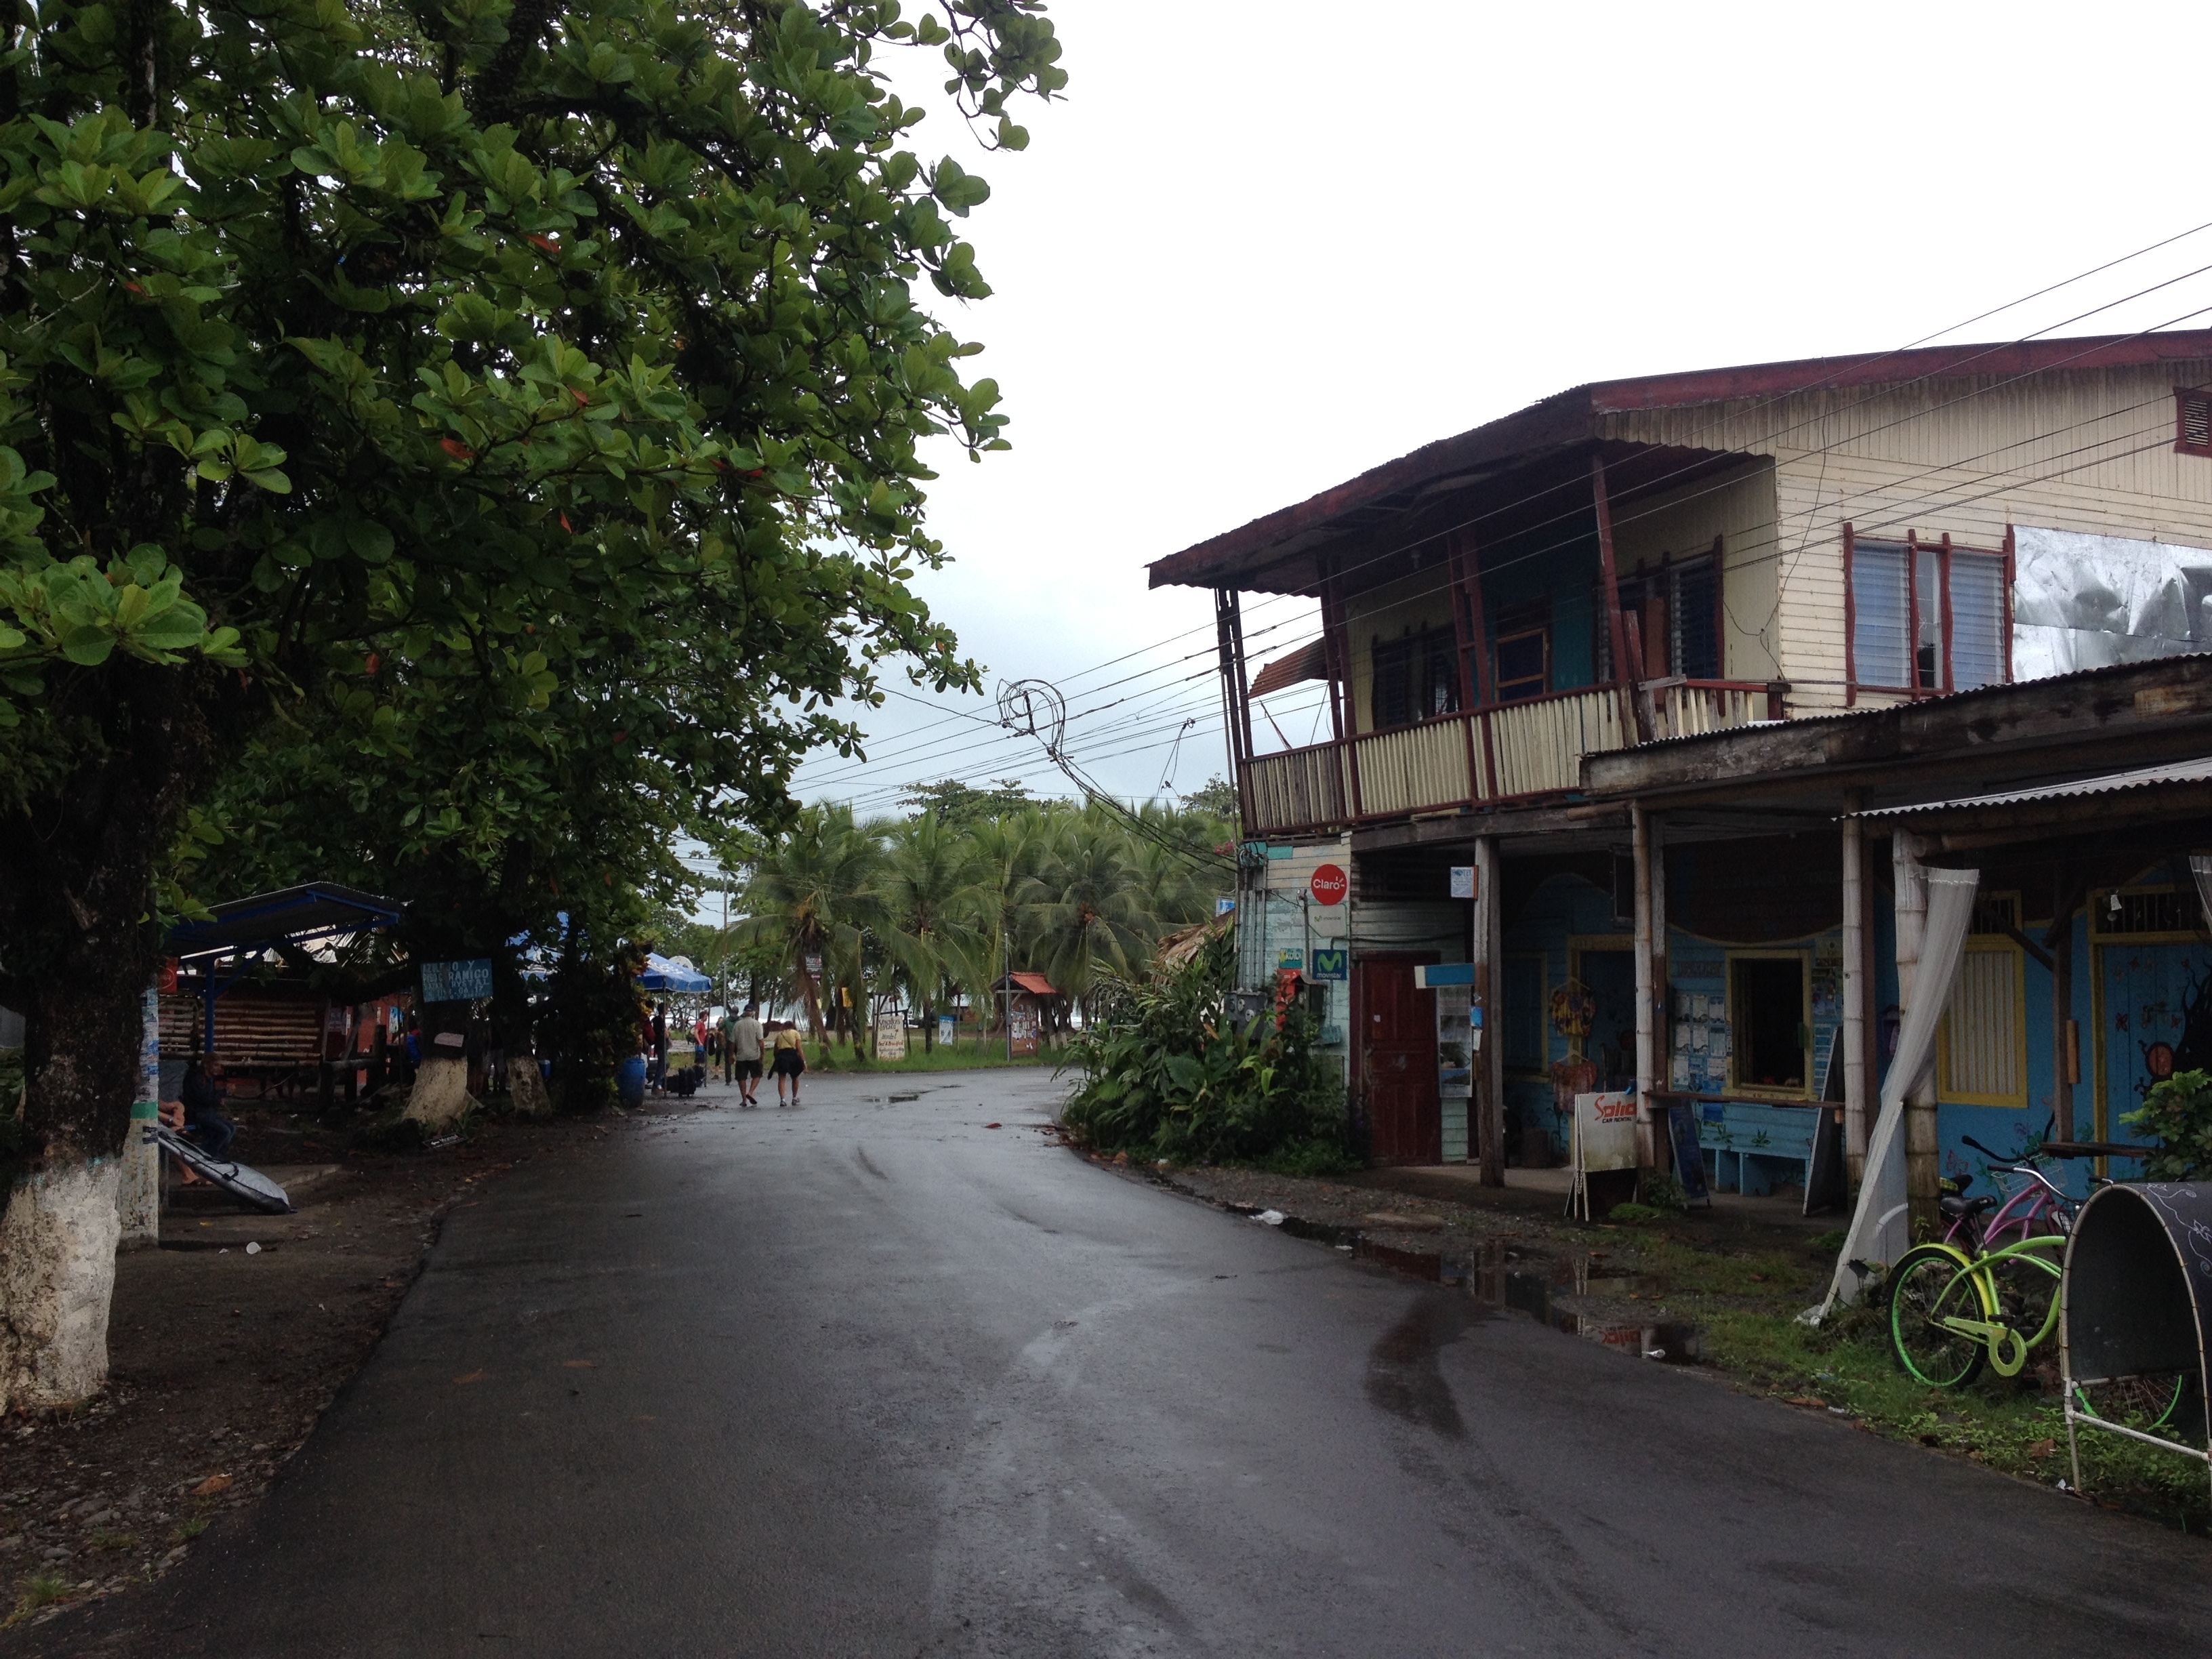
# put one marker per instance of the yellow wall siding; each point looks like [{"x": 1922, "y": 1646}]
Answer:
[
  {"x": 1740, "y": 510},
  {"x": 1415, "y": 605},
  {"x": 2090, "y": 452}
]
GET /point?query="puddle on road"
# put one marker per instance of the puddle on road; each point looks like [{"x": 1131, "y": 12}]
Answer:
[{"x": 1548, "y": 1289}]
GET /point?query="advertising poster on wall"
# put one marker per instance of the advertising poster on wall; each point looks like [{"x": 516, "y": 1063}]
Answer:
[{"x": 1455, "y": 1045}]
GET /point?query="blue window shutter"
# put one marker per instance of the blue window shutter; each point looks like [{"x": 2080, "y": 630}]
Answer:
[
  {"x": 1882, "y": 628},
  {"x": 1978, "y": 643}
]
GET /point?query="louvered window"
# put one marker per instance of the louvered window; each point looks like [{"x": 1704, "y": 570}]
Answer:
[
  {"x": 1984, "y": 1050},
  {"x": 2192, "y": 421},
  {"x": 1927, "y": 617},
  {"x": 1882, "y": 600}
]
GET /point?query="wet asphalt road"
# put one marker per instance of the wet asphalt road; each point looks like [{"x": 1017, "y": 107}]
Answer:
[{"x": 871, "y": 1378}]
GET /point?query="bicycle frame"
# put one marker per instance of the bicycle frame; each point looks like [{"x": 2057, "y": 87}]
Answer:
[{"x": 2035, "y": 1202}]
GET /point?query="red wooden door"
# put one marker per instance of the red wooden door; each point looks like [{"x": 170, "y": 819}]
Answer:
[{"x": 1398, "y": 1060}]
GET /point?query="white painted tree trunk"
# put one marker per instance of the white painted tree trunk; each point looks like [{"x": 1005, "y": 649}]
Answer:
[
  {"x": 56, "y": 1273},
  {"x": 441, "y": 1093},
  {"x": 525, "y": 1086}
]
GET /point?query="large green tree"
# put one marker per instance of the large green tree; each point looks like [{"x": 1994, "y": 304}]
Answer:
[{"x": 388, "y": 368}]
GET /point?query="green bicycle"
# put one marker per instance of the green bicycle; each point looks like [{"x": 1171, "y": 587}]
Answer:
[{"x": 1985, "y": 1297}]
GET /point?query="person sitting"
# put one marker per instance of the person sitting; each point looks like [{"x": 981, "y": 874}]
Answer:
[{"x": 202, "y": 1093}]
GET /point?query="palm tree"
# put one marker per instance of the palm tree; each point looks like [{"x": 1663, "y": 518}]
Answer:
[
  {"x": 1092, "y": 911},
  {"x": 813, "y": 892},
  {"x": 1008, "y": 852},
  {"x": 932, "y": 896}
]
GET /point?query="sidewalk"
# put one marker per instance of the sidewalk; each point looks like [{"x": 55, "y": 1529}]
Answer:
[{"x": 1461, "y": 1184}]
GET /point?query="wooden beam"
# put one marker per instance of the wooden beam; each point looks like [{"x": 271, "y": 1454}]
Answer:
[
  {"x": 2171, "y": 696},
  {"x": 1489, "y": 954},
  {"x": 1616, "y": 628}
]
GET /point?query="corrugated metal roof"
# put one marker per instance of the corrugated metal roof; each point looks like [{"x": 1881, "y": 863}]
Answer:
[
  {"x": 1307, "y": 662},
  {"x": 2143, "y": 777},
  {"x": 1569, "y": 418}
]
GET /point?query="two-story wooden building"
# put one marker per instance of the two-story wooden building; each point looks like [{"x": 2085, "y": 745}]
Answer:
[{"x": 1553, "y": 650}]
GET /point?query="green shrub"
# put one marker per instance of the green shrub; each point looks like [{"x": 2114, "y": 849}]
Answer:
[
  {"x": 1634, "y": 1212},
  {"x": 2179, "y": 1111},
  {"x": 1167, "y": 1074}
]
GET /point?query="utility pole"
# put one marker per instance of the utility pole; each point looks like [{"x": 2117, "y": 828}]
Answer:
[{"x": 1007, "y": 980}]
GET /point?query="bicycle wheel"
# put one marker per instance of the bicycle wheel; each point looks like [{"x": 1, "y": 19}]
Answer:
[
  {"x": 1929, "y": 1283},
  {"x": 2149, "y": 1400}
]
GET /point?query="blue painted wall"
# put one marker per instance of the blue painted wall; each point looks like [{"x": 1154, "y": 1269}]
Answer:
[{"x": 1538, "y": 565}]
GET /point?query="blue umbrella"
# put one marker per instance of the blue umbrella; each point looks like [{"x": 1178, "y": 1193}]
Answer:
[{"x": 662, "y": 975}]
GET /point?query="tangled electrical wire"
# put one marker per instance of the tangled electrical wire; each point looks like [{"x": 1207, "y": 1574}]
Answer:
[{"x": 1034, "y": 708}]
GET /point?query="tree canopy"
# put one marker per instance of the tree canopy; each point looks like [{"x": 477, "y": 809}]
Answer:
[{"x": 481, "y": 437}]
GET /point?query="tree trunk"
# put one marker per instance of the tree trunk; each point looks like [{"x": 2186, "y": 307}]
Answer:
[
  {"x": 76, "y": 876},
  {"x": 525, "y": 1086},
  {"x": 441, "y": 1093},
  {"x": 81, "y": 1038},
  {"x": 511, "y": 1030}
]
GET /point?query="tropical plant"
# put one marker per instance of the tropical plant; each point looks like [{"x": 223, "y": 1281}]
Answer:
[
  {"x": 2178, "y": 1110},
  {"x": 1168, "y": 1071}
]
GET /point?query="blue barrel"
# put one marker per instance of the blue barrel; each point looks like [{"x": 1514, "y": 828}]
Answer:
[{"x": 629, "y": 1080}]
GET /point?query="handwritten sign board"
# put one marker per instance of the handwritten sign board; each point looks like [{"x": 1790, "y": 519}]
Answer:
[
  {"x": 890, "y": 1037},
  {"x": 457, "y": 982}
]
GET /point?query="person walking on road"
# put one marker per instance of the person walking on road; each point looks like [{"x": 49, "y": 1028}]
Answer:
[
  {"x": 660, "y": 1047},
  {"x": 742, "y": 1042},
  {"x": 790, "y": 1063}
]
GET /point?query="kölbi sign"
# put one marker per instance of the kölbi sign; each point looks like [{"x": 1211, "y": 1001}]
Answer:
[{"x": 1329, "y": 885}]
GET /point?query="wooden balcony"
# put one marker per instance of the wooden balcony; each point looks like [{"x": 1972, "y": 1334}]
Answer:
[{"x": 1516, "y": 751}]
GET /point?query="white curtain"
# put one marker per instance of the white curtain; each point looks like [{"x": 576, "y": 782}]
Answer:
[
  {"x": 2200, "y": 866},
  {"x": 1881, "y": 1227}
]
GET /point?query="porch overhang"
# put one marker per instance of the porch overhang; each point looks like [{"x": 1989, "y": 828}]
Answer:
[{"x": 2019, "y": 735}]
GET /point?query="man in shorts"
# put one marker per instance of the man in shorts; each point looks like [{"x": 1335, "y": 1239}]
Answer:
[{"x": 743, "y": 1044}]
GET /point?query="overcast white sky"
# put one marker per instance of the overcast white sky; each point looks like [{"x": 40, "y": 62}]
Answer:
[{"x": 1262, "y": 247}]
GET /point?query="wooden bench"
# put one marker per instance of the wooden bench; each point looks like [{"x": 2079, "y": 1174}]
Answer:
[{"x": 1750, "y": 1148}]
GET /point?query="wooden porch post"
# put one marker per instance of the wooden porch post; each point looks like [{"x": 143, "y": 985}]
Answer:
[
  {"x": 1236, "y": 705},
  {"x": 1336, "y": 654},
  {"x": 1489, "y": 986},
  {"x": 1922, "y": 1150},
  {"x": 2065, "y": 1045},
  {"x": 1647, "y": 1139},
  {"x": 1624, "y": 674},
  {"x": 1857, "y": 1120}
]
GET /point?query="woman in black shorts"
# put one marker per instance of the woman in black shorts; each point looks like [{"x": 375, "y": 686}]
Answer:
[{"x": 790, "y": 1062}]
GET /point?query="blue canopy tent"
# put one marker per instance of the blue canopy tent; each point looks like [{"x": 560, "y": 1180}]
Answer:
[{"x": 662, "y": 975}]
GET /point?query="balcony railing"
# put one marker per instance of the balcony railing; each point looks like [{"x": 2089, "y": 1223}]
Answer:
[{"x": 1515, "y": 751}]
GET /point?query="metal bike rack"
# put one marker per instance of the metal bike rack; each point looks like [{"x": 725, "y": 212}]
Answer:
[{"x": 2137, "y": 1298}]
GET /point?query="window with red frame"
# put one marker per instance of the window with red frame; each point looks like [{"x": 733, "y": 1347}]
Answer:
[{"x": 1927, "y": 615}]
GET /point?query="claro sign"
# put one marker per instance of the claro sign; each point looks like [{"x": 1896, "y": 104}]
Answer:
[{"x": 1329, "y": 885}]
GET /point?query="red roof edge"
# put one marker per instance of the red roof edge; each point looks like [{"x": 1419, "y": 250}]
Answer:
[
  {"x": 1036, "y": 984},
  {"x": 1564, "y": 417}
]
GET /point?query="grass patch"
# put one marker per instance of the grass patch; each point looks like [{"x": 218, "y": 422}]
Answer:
[
  {"x": 189, "y": 1530},
  {"x": 40, "y": 1590},
  {"x": 109, "y": 1541}
]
